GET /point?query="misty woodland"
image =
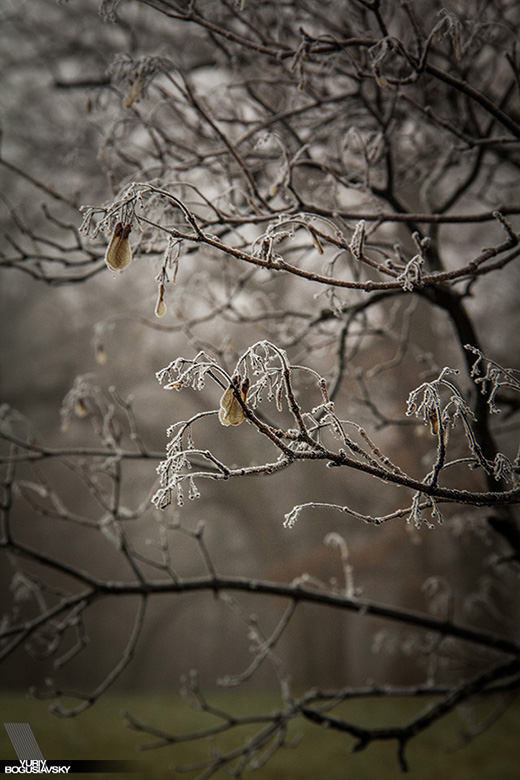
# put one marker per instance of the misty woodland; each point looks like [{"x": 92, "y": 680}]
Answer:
[{"x": 260, "y": 411}]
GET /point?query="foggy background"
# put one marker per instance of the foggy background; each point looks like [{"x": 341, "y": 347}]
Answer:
[{"x": 51, "y": 334}]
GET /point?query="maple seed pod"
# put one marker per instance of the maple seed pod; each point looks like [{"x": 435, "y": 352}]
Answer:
[
  {"x": 134, "y": 94},
  {"x": 244, "y": 388},
  {"x": 231, "y": 412},
  {"x": 160, "y": 307},
  {"x": 119, "y": 254},
  {"x": 101, "y": 355},
  {"x": 80, "y": 408},
  {"x": 434, "y": 422},
  {"x": 316, "y": 241},
  {"x": 380, "y": 79},
  {"x": 274, "y": 189}
]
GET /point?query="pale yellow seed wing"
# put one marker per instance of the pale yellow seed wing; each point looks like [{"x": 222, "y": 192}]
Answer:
[
  {"x": 434, "y": 422},
  {"x": 134, "y": 94},
  {"x": 230, "y": 412},
  {"x": 80, "y": 408},
  {"x": 160, "y": 308},
  {"x": 119, "y": 253}
]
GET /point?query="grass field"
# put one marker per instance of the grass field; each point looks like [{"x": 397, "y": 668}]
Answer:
[{"x": 99, "y": 733}]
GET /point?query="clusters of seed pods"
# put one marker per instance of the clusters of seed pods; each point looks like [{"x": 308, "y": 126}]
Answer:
[{"x": 117, "y": 257}]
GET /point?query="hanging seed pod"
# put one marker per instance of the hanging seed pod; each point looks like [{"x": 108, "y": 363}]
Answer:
[
  {"x": 231, "y": 412},
  {"x": 101, "y": 355},
  {"x": 316, "y": 240},
  {"x": 80, "y": 408},
  {"x": 274, "y": 189},
  {"x": 134, "y": 94},
  {"x": 433, "y": 419},
  {"x": 119, "y": 253},
  {"x": 160, "y": 306}
]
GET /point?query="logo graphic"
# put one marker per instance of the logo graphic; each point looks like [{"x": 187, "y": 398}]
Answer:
[
  {"x": 31, "y": 760},
  {"x": 23, "y": 741},
  {"x": 28, "y": 751}
]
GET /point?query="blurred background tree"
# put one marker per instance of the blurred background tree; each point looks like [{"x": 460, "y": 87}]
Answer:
[{"x": 320, "y": 201}]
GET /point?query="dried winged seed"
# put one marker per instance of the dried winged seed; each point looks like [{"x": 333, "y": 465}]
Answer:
[
  {"x": 134, "y": 94},
  {"x": 119, "y": 254},
  {"x": 80, "y": 408},
  {"x": 230, "y": 412},
  {"x": 434, "y": 422},
  {"x": 101, "y": 355},
  {"x": 274, "y": 189},
  {"x": 316, "y": 241},
  {"x": 278, "y": 398},
  {"x": 160, "y": 307}
]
